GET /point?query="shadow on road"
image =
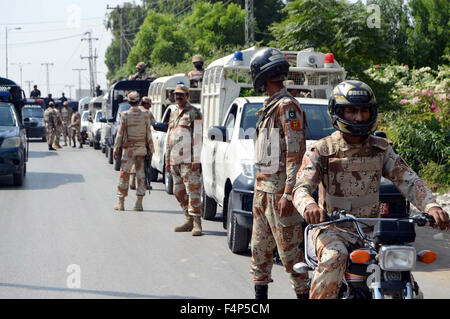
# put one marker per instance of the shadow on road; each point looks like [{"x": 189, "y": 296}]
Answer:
[
  {"x": 41, "y": 180},
  {"x": 96, "y": 292},
  {"x": 214, "y": 233},
  {"x": 37, "y": 154}
]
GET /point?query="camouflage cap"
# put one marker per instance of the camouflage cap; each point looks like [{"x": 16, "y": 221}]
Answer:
[
  {"x": 141, "y": 65},
  {"x": 146, "y": 99},
  {"x": 133, "y": 97},
  {"x": 197, "y": 58},
  {"x": 181, "y": 88}
]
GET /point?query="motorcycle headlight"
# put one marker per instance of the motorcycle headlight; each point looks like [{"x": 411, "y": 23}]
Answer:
[
  {"x": 397, "y": 258},
  {"x": 11, "y": 142},
  {"x": 248, "y": 169}
]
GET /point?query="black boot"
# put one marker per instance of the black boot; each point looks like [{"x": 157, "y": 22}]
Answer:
[
  {"x": 74, "y": 144},
  {"x": 50, "y": 148},
  {"x": 81, "y": 146},
  {"x": 261, "y": 291}
]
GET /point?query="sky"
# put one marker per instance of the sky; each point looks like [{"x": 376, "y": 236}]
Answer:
[{"x": 51, "y": 32}]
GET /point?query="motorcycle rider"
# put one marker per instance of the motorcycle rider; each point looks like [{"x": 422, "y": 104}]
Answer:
[{"x": 348, "y": 165}]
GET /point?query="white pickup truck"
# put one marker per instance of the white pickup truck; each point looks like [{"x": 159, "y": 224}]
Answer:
[
  {"x": 229, "y": 123},
  {"x": 163, "y": 104}
]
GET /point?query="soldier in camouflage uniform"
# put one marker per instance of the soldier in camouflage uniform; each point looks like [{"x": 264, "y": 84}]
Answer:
[
  {"x": 141, "y": 74},
  {"x": 183, "y": 159},
  {"x": 196, "y": 76},
  {"x": 59, "y": 128},
  {"x": 146, "y": 103},
  {"x": 280, "y": 132},
  {"x": 134, "y": 137},
  {"x": 66, "y": 114},
  {"x": 75, "y": 128},
  {"x": 50, "y": 125},
  {"x": 348, "y": 165}
]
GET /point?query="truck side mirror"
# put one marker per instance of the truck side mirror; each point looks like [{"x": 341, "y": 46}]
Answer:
[
  {"x": 161, "y": 127},
  {"x": 102, "y": 120},
  {"x": 111, "y": 120},
  {"x": 380, "y": 134},
  {"x": 217, "y": 133}
]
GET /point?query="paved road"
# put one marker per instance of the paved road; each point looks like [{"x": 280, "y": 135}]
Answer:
[{"x": 61, "y": 223}]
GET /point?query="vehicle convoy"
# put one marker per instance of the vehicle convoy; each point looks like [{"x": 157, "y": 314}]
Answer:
[
  {"x": 229, "y": 123},
  {"x": 382, "y": 268},
  {"x": 33, "y": 118},
  {"x": 13, "y": 137},
  {"x": 163, "y": 104},
  {"x": 114, "y": 102}
]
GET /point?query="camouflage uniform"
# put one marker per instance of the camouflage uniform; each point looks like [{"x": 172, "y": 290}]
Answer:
[
  {"x": 349, "y": 176},
  {"x": 75, "y": 127},
  {"x": 281, "y": 129},
  {"x": 185, "y": 122},
  {"x": 66, "y": 114},
  {"x": 133, "y": 169},
  {"x": 59, "y": 128},
  {"x": 196, "y": 78},
  {"x": 133, "y": 136},
  {"x": 50, "y": 121}
]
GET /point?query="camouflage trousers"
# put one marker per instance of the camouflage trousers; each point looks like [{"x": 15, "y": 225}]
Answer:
[
  {"x": 50, "y": 135},
  {"x": 186, "y": 188},
  {"x": 270, "y": 230},
  {"x": 75, "y": 132},
  {"x": 128, "y": 160},
  {"x": 66, "y": 131},
  {"x": 332, "y": 250}
]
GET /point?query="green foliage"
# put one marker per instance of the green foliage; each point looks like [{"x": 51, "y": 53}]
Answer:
[{"x": 419, "y": 126}]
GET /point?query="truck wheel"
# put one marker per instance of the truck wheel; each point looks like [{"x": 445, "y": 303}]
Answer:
[
  {"x": 168, "y": 181},
  {"x": 110, "y": 152},
  {"x": 19, "y": 177},
  {"x": 96, "y": 146},
  {"x": 238, "y": 237},
  {"x": 91, "y": 143},
  {"x": 104, "y": 151},
  {"x": 153, "y": 174},
  {"x": 209, "y": 206}
]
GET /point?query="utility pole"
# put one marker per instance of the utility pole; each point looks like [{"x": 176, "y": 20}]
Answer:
[
  {"x": 70, "y": 89},
  {"x": 29, "y": 86},
  {"x": 79, "y": 79},
  {"x": 20, "y": 65},
  {"x": 122, "y": 34},
  {"x": 249, "y": 23},
  {"x": 47, "y": 64},
  {"x": 6, "y": 45},
  {"x": 91, "y": 58}
]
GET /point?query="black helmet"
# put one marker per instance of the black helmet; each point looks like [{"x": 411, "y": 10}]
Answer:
[
  {"x": 352, "y": 93},
  {"x": 266, "y": 64}
]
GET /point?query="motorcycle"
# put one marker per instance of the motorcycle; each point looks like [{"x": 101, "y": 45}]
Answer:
[{"x": 382, "y": 268}]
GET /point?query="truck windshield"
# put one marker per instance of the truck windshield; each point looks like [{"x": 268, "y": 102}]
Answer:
[
  {"x": 33, "y": 112},
  {"x": 6, "y": 115},
  {"x": 99, "y": 116},
  {"x": 85, "y": 116},
  {"x": 319, "y": 123}
]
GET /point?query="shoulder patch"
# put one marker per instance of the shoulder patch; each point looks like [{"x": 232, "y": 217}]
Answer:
[{"x": 380, "y": 142}]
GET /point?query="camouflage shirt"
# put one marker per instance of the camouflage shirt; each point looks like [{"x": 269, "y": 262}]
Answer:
[
  {"x": 184, "y": 135},
  {"x": 50, "y": 118},
  {"x": 196, "y": 78},
  {"x": 349, "y": 176},
  {"x": 134, "y": 131},
  {"x": 150, "y": 114},
  {"x": 75, "y": 121},
  {"x": 66, "y": 114},
  {"x": 279, "y": 142},
  {"x": 141, "y": 76}
]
